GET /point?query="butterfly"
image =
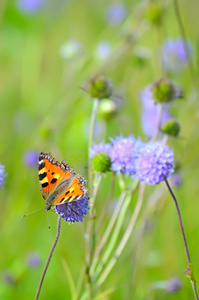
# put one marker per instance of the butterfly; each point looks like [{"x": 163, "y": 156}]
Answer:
[{"x": 58, "y": 182}]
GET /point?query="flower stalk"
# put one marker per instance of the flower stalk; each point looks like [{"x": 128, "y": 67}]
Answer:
[
  {"x": 189, "y": 270},
  {"x": 49, "y": 258}
]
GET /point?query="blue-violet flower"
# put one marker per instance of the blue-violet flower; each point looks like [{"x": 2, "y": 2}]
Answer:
[
  {"x": 102, "y": 147},
  {"x": 123, "y": 154},
  {"x": 73, "y": 211},
  {"x": 155, "y": 163}
]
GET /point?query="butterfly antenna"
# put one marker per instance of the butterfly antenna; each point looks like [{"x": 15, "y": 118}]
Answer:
[
  {"x": 48, "y": 221},
  {"x": 32, "y": 212}
]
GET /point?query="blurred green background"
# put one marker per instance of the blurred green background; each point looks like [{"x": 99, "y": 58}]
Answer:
[{"x": 48, "y": 51}]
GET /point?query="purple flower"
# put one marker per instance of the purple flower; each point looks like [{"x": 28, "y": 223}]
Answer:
[
  {"x": 103, "y": 50},
  {"x": 8, "y": 278},
  {"x": 33, "y": 260},
  {"x": 173, "y": 54},
  {"x": 155, "y": 163},
  {"x": 123, "y": 154},
  {"x": 29, "y": 6},
  {"x": 73, "y": 211},
  {"x": 2, "y": 175},
  {"x": 31, "y": 158},
  {"x": 102, "y": 147},
  {"x": 173, "y": 285},
  {"x": 150, "y": 113},
  {"x": 116, "y": 13}
]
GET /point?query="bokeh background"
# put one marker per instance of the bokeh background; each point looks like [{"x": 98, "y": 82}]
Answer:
[{"x": 48, "y": 51}]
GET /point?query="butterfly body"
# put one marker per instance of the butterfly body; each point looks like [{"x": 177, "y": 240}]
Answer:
[{"x": 58, "y": 182}]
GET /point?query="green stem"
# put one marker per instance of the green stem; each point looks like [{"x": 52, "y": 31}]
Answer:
[
  {"x": 189, "y": 269},
  {"x": 114, "y": 236},
  {"x": 183, "y": 34},
  {"x": 49, "y": 258},
  {"x": 107, "y": 232},
  {"x": 160, "y": 108},
  {"x": 91, "y": 138},
  {"x": 125, "y": 237},
  {"x": 90, "y": 235}
]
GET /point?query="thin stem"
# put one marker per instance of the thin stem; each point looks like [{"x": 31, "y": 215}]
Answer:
[
  {"x": 90, "y": 236},
  {"x": 125, "y": 237},
  {"x": 160, "y": 108},
  {"x": 190, "y": 275},
  {"x": 91, "y": 138},
  {"x": 49, "y": 257},
  {"x": 107, "y": 232},
  {"x": 182, "y": 31}
]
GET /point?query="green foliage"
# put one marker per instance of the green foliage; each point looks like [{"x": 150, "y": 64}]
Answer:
[{"x": 44, "y": 108}]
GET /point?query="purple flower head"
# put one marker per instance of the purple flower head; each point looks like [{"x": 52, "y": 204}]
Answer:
[
  {"x": 103, "y": 50},
  {"x": 102, "y": 147},
  {"x": 2, "y": 175},
  {"x": 123, "y": 154},
  {"x": 173, "y": 54},
  {"x": 31, "y": 158},
  {"x": 73, "y": 211},
  {"x": 155, "y": 163},
  {"x": 29, "y": 6},
  {"x": 33, "y": 260},
  {"x": 8, "y": 278},
  {"x": 116, "y": 13},
  {"x": 150, "y": 112},
  {"x": 173, "y": 285}
]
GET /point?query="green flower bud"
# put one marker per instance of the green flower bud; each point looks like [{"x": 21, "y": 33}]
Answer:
[
  {"x": 171, "y": 127},
  {"x": 101, "y": 162},
  {"x": 100, "y": 87},
  {"x": 154, "y": 13},
  {"x": 107, "y": 108},
  {"x": 45, "y": 132},
  {"x": 164, "y": 91}
]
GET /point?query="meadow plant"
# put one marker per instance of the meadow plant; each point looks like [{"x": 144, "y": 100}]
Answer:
[{"x": 130, "y": 172}]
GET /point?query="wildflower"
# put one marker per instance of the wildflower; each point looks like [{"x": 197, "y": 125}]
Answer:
[
  {"x": 154, "y": 13},
  {"x": 73, "y": 211},
  {"x": 103, "y": 50},
  {"x": 123, "y": 154},
  {"x": 173, "y": 54},
  {"x": 101, "y": 162},
  {"x": 8, "y": 278},
  {"x": 150, "y": 115},
  {"x": 29, "y": 6},
  {"x": 171, "y": 127},
  {"x": 163, "y": 90},
  {"x": 102, "y": 147},
  {"x": 155, "y": 163},
  {"x": 107, "y": 108},
  {"x": 33, "y": 260},
  {"x": 2, "y": 175},
  {"x": 100, "y": 87},
  {"x": 116, "y": 13},
  {"x": 173, "y": 285},
  {"x": 31, "y": 158}
]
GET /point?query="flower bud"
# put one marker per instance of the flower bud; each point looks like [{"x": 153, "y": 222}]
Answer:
[
  {"x": 163, "y": 91},
  {"x": 171, "y": 127},
  {"x": 101, "y": 162},
  {"x": 154, "y": 13},
  {"x": 100, "y": 87},
  {"x": 107, "y": 108}
]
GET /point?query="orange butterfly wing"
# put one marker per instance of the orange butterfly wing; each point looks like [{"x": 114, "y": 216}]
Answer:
[{"x": 58, "y": 182}]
